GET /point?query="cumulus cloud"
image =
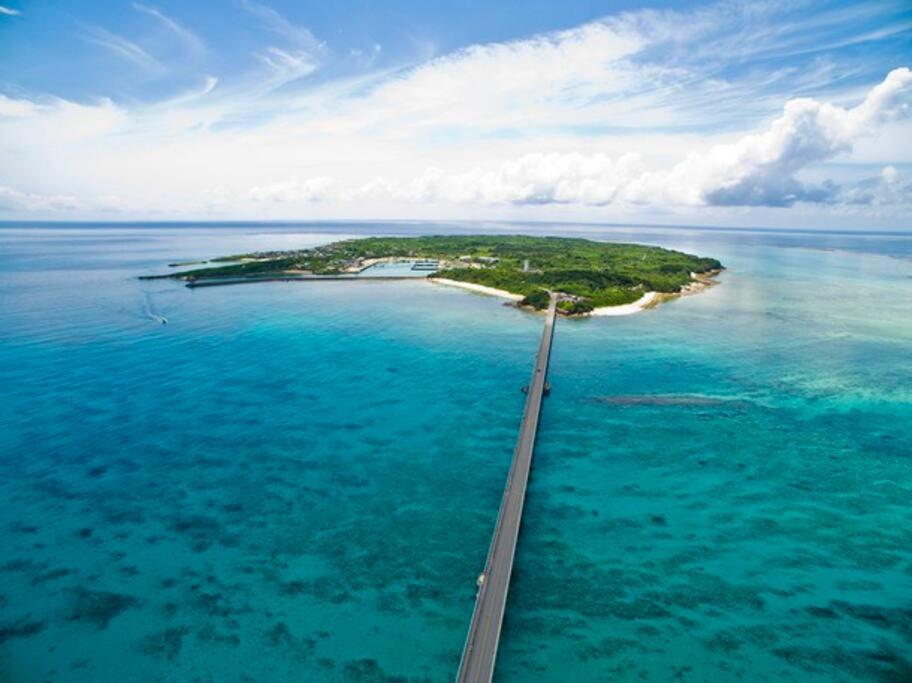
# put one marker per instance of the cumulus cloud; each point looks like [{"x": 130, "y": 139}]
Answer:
[
  {"x": 758, "y": 170},
  {"x": 887, "y": 189},
  {"x": 531, "y": 179}
]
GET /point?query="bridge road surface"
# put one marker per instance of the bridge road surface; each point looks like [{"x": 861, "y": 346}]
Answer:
[{"x": 480, "y": 649}]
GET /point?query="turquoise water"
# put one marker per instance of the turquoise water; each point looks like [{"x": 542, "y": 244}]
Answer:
[{"x": 298, "y": 481}]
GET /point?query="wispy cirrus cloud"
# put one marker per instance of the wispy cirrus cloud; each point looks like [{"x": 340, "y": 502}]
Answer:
[
  {"x": 287, "y": 65},
  {"x": 9, "y": 11},
  {"x": 193, "y": 41},
  {"x": 299, "y": 36},
  {"x": 301, "y": 52},
  {"x": 124, "y": 48}
]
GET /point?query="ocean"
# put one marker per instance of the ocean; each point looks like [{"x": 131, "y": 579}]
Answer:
[{"x": 298, "y": 481}]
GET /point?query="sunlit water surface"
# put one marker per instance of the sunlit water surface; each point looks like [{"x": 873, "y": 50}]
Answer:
[{"x": 298, "y": 481}]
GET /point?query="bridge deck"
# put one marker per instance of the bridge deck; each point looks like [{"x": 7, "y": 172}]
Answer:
[{"x": 480, "y": 649}]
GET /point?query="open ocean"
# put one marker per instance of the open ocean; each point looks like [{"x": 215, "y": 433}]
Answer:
[{"x": 298, "y": 481}]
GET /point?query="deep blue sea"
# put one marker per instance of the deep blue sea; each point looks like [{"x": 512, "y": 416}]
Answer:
[{"x": 298, "y": 481}]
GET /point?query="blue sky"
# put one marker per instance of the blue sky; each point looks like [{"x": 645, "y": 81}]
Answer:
[{"x": 732, "y": 113}]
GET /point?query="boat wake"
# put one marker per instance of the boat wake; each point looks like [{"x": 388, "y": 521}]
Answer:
[{"x": 151, "y": 312}]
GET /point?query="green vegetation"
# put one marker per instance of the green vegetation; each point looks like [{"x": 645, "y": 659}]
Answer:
[
  {"x": 537, "y": 299},
  {"x": 575, "y": 307},
  {"x": 591, "y": 273}
]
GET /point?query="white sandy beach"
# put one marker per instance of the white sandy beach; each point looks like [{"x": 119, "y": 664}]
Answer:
[
  {"x": 481, "y": 289},
  {"x": 626, "y": 309}
]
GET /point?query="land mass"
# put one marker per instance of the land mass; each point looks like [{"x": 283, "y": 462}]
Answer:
[{"x": 590, "y": 276}]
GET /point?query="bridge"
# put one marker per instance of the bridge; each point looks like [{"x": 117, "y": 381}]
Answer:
[{"x": 480, "y": 651}]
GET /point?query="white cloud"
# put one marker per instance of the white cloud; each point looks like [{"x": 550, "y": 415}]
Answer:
[
  {"x": 531, "y": 179},
  {"x": 288, "y": 66},
  {"x": 299, "y": 36},
  {"x": 123, "y": 48},
  {"x": 13, "y": 200},
  {"x": 499, "y": 83},
  {"x": 193, "y": 41},
  {"x": 8, "y": 11},
  {"x": 758, "y": 170},
  {"x": 293, "y": 191},
  {"x": 889, "y": 188},
  {"x": 31, "y": 125},
  {"x": 16, "y": 108},
  {"x": 624, "y": 114}
]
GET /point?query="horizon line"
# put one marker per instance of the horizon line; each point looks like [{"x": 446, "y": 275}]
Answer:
[{"x": 412, "y": 221}]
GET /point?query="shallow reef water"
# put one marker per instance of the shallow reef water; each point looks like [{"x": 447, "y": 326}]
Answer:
[{"x": 298, "y": 481}]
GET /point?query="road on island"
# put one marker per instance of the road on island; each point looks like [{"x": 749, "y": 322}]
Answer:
[{"x": 480, "y": 651}]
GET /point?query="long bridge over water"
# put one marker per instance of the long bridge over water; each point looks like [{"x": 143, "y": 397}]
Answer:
[{"x": 480, "y": 651}]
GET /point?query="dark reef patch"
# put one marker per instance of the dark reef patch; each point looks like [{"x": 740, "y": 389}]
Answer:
[
  {"x": 51, "y": 575},
  {"x": 21, "y": 628},
  {"x": 22, "y": 528},
  {"x": 280, "y": 635},
  {"x": 833, "y": 659},
  {"x": 368, "y": 671},
  {"x": 209, "y": 634},
  {"x": 202, "y": 531},
  {"x": 691, "y": 400},
  {"x": 99, "y": 607},
  {"x": 166, "y": 643},
  {"x": 20, "y": 564},
  {"x": 608, "y": 648},
  {"x": 898, "y": 618}
]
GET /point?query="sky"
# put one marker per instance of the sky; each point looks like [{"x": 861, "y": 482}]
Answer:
[{"x": 766, "y": 113}]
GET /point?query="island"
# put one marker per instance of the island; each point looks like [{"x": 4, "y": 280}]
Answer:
[{"x": 590, "y": 277}]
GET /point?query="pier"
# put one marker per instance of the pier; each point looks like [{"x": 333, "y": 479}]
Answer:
[
  {"x": 480, "y": 651},
  {"x": 219, "y": 282}
]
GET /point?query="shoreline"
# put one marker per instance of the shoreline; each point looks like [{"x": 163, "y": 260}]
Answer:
[
  {"x": 648, "y": 300},
  {"x": 478, "y": 289}
]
